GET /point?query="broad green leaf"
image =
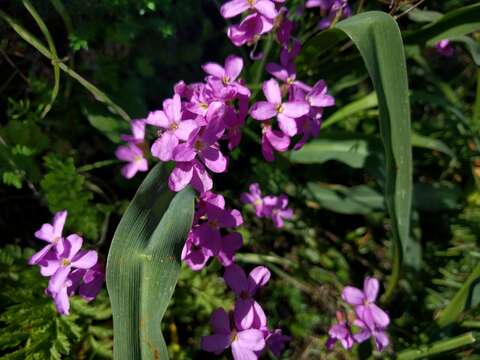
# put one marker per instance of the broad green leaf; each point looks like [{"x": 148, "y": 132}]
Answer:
[
  {"x": 352, "y": 149},
  {"x": 377, "y": 37},
  {"x": 462, "y": 300},
  {"x": 458, "y": 22},
  {"x": 143, "y": 265},
  {"x": 425, "y": 142},
  {"x": 344, "y": 200},
  {"x": 109, "y": 125},
  {"x": 422, "y": 16}
]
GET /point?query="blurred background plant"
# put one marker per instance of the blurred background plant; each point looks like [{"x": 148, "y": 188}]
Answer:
[{"x": 56, "y": 152}]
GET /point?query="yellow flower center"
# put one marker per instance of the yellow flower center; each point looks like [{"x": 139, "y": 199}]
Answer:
[
  {"x": 198, "y": 145},
  {"x": 279, "y": 108},
  {"x": 66, "y": 262},
  {"x": 174, "y": 126}
]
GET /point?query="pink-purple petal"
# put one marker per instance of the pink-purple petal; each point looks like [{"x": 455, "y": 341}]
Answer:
[
  {"x": 234, "y": 8},
  {"x": 370, "y": 288},
  {"x": 295, "y": 109},
  {"x": 263, "y": 110},
  {"x": 271, "y": 89},
  {"x": 287, "y": 125},
  {"x": 236, "y": 279},
  {"x": 216, "y": 343},
  {"x": 353, "y": 296},
  {"x": 233, "y": 66},
  {"x": 180, "y": 176},
  {"x": 163, "y": 147},
  {"x": 214, "y": 160}
]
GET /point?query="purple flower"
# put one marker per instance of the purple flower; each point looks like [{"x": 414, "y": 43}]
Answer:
[
  {"x": 229, "y": 73},
  {"x": 247, "y": 311},
  {"x": 333, "y": 10},
  {"x": 340, "y": 332},
  {"x": 276, "y": 342},
  {"x": 72, "y": 257},
  {"x": 205, "y": 239},
  {"x": 245, "y": 343},
  {"x": 318, "y": 98},
  {"x": 92, "y": 282},
  {"x": 174, "y": 128},
  {"x": 284, "y": 31},
  {"x": 273, "y": 140},
  {"x": 234, "y": 121},
  {"x": 277, "y": 209},
  {"x": 364, "y": 303},
  {"x": 138, "y": 132},
  {"x": 286, "y": 71},
  {"x": 286, "y": 112},
  {"x": 249, "y": 30},
  {"x": 236, "y": 7},
  {"x": 51, "y": 233},
  {"x": 444, "y": 48},
  {"x": 61, "y": 296},
  {"x": 202, "y": 143},
  {"x": 254, "y": 197},
  {"x": 135, "y": 158},
  {"x": 195, "y": 253},
  {"x": 228, "y": 247},
  {"x": 378, "y": 334}
]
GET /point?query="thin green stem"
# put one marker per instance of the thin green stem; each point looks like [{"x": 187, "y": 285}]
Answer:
[
  {"x": 261, "y": 67},
  {"x": 32, "y": 40},
  {"x": 396, "y": 270},
  {"x": 476, "y": 106},
  {"x": 53, "y": 51},
  {"x": 98, "y": 164}
]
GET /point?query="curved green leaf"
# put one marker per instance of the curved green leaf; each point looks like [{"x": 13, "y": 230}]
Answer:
[
  {"x": 462, "y": 300},
  {"x": 378, "y": 38},
  {"x": 352, "y": 149},
  {"x": 143, "y": 265},
  {"x": 439, "y": 347},
  {"x": 458, "y": 22},
  {"x": 367, "y": 102},
  {"x": 359, "y": 199}
]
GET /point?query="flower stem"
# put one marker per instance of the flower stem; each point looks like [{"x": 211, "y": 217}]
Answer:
[
  {"x": 258, "y": 74},
  {"x": 98, "y": 164}
]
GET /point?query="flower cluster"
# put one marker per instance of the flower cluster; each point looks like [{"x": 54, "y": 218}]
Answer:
[
  {"x": 195, "y": 119},
  {"x": 245, "y": 329},
  {"x": 273, "y": 207},
  {"x": 206, "y": 240},
  {"x": 190, "y": 128},
  {"x": 261, "y": 18},
  {"x": 133, "y": 152},
  {"x": 296, "y": 106},
  {"x": 367, "y": 320},
  {"x": 331, "y": 11},
  {"x": 70, "y": 269}
]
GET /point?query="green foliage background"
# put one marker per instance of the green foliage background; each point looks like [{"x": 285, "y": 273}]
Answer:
[{"x": 134, "y": 51}]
